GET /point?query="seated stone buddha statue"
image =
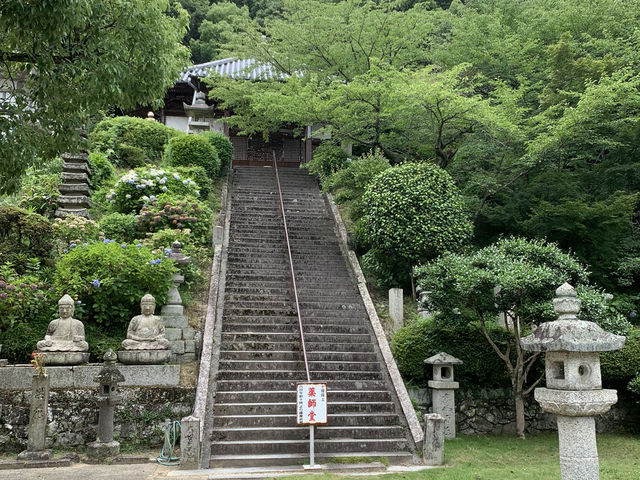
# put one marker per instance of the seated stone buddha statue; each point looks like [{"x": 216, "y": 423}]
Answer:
[
  {"x": 146, "y": 331},
  {"x": 65, "y": 334}
]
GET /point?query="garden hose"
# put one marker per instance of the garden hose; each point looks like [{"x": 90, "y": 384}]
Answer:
[{"x": 171, "y": 436}]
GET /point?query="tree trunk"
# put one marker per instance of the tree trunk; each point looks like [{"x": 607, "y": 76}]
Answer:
[{"x": 520, "y": 423}]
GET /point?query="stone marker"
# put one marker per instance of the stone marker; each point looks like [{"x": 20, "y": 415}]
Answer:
[
  {"x": 108, "y": 378},
  {"x": 443, "y": 390},
  {"x": 396, "y": 308},
  {"x": 574, "y": 384},
  {"x": 38, "y": 419},
  {"x": 145, "y": 342},
  {"x": 433, "y": 446},
  {"x": 190, "y": 443},
  {"x": 218, "y": 235},
  {"x": 64, "y": 343}
]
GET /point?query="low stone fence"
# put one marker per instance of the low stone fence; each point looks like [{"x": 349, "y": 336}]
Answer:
[
  {"x": 150, "y": 395},
  {"x": 492, "y": 412}
]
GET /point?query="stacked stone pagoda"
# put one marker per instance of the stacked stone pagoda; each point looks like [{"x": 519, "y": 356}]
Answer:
[
  {"x": 74, "y": 190},
  {"x": 574, "y": 384}
]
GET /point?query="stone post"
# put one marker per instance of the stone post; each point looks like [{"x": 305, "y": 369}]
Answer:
[
  {"x": 38, "y": 420},
  {"x": 176, "y": 323},
  {"x": 190, "y": 443},
  {"x": 574, "y": 390},
  {"x": 443, "y": 390},
  {"x": 108, "y": 378},
  {"x": 396, "y": 308},
  {"x": 433, "y": 446}
]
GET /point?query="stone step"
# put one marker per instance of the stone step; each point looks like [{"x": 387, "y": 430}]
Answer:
[
  {"x": 298, "y": 365},
  {"x": 321, "y": 375},
  {"x": 391, "y": 458},
  {"x": 289, "y": 355},
  {"x": 301, "y": 433},
  {"x": 263, "y": 408},
  {"x": 274, "y": 396},
  {"x": 288, "y": 420},
  {"x": 311, "y": 338},
  {"x": 343, "y": 445},
  {"x": 252, "y": 344},
  {"x": 293, "y": 325}
]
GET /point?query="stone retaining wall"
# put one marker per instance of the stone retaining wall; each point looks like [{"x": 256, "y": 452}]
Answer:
[
  {"x": 150, "y": 395},
  {"x": 492, "y": 412}
]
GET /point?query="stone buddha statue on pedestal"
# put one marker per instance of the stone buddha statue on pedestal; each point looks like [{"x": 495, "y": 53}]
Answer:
[
  {"x": 145, "y": 342},
  {"x": 64, "y": 343}
]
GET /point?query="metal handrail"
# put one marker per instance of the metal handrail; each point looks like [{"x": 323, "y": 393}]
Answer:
[{"x": 293, "y": 275}]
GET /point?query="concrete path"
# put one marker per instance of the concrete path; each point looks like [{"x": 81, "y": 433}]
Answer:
[{"x": 151, "y": 471}]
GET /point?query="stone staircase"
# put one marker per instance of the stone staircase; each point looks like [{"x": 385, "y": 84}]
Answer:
[{"x": 254, "y": 413}]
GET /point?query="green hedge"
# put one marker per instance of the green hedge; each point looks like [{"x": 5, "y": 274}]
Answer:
[
  {"x": 424, "y": 338},
  {"x": 24, "y": 235},
  {"x": 131, "y": 142},
  {"x": 120, "y": 227},
  {"x": 621, "y": 366},
  {"x": 193, "y": 150},
  {"x": 327, "y": 159}
]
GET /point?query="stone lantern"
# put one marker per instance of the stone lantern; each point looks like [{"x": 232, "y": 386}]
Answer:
[
  {"x": 574, "y": 384},
  {"x": 201, "y": 115},
  {"x": 443, "y": 390},
  {"x": 109, "y": 396}
]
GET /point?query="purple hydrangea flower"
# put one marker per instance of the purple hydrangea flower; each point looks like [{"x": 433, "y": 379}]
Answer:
[
  {"x": 3, "y": 284},
  {"x": 139, "y": 245},
  {"x": 11, "y": 288},
  {"x": 23, "y": 285},
  {"x": 33, "y": 286},
  {"x": 106, "y": 240},
  {"x": 124, "y": 245},
  {"x": 3, "y": 295},
  {"x": 96, "y": 283},
  {"x": 73, "y": 245}
]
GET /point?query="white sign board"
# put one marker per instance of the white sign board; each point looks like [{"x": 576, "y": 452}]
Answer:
[{"x": 311, "y": 405}]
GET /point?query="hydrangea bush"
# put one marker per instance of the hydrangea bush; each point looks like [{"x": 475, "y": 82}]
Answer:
[
  {"x": 168, "y": 211},
  {"x": 109, "y": 278},
  {"x": 137, "y": 187},
  {"x": 74, "y": 230}
]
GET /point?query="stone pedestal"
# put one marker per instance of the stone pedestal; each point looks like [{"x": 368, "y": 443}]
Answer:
[
  {"x": 65, "y": 358},
  {"x": 144, "y": 357},
  {"x": 433, "y": 446},
  {"x": 396, "y": 308},
  {"x": 190, "y": 443},
  {"x": 443, "y": 389},
  {"x": 38, "y": 420}
]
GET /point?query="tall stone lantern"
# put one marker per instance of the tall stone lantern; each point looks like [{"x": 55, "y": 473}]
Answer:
[
  {"x": 443, "y": 390},
  {"x": 574, "y": 384}
]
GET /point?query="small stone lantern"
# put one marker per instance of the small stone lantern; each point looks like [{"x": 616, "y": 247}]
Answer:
[
  {"x": 574, "y": 384},
  {"x": 443, "y": 390},
  {"x": 109, "y": 396},
  {"x": 201, "y": 115},
  {"x": 174, "y": 301}
]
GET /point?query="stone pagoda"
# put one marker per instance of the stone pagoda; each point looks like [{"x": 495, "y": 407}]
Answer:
[
  {"x": 74, "y": 190},
  {"x": 574, "y": 384}
]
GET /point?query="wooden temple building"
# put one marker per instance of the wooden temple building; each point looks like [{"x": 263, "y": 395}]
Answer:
[{"x": 188, "y": 109}]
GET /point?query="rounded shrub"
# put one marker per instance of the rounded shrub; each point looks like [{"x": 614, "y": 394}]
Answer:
[
  {"x": 198, "y": 175},
  {"x": 24, "y": 235},
  {"x": 412, "y": 213},
  {"x": 193, "y": 150},
  {"x": 620, "y": 366},
  {"x": 223, "y": 147},
  {"x": 137, "y": 187},
  {"x": 110, "y": 278},
  {"x": 130, "y": 142},
  {"x": 102, "y": 170},
  {"x": 327, "y": 158},
  {"x": 120, "y": 227}
]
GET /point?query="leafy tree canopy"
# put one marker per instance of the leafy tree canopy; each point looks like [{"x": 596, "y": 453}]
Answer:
[{"x": 63, "y": 60}]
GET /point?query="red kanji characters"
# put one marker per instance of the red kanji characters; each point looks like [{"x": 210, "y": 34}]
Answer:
[
  {"x": 312, "y": 416},
  {"x": 311, "y": 403},
  {"x": 312, "y": 391}
]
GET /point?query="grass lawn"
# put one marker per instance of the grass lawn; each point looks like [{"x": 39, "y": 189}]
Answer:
[{"x": 501, "y": 458}]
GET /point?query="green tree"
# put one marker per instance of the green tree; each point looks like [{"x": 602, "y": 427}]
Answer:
[
  {"x": 62, "y": 60},
  {"x": 215, "y": 31},
  {"x": 526, "y": 274},
  {"x": 412, "y": 213}
]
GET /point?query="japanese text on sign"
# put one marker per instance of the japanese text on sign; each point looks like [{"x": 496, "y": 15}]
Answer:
[{"x": 311, "y": 405}]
